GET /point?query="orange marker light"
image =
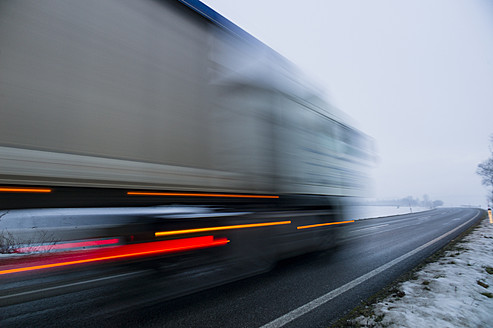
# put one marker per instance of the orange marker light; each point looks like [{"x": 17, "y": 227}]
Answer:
[
  {"x": 117, "y": 252},
  {"x": 323, "y": 224},
  {"x": 139, "y": 193},
  {"x": 239, "y": 226},
  {"x": 38, "y": 190}
]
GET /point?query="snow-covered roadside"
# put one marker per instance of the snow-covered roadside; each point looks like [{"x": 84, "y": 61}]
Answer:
[
  {"x": 359, "y": 212},
  {"x": 454, "y": 291}
]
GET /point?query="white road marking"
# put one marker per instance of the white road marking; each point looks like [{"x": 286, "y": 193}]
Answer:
[
  {"x": 296, "y": 313},
  {"x": 450, "y": 221},
  {"x": 374, "y": 227}
]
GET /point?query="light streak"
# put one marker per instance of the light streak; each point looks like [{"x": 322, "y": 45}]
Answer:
[
  {"x": 35, "y": 190},
  {"x": 119, "y": 252},
  {"x": 142, "y": 193},
  {"x": 323, "y": 224},
  {"x": 238, "y": 226}
]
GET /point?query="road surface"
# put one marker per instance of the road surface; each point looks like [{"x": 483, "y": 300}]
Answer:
[{"x": 308, "y": 291}]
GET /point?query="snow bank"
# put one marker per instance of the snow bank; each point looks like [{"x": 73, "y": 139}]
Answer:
[
  {"x": 455, "y": 291},
  {"x": 358, "y": 212}
]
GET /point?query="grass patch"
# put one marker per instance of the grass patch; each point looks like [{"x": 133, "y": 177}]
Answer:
[
  {"x": 482, "y": 284},
  {"x": 399, "y": 293},
  {"x": 379, "y": 318}
]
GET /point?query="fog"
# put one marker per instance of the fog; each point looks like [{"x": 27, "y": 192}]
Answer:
[{"x": 417, "y": 76}]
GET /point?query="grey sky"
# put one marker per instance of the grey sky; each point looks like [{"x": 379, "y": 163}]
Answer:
[{"x": 415, "y": 75}]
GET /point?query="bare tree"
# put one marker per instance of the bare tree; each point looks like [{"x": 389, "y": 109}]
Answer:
[{"x": 485, "y": 170}]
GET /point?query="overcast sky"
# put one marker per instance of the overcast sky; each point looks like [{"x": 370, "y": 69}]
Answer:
[{"x": 417, "y": 76}]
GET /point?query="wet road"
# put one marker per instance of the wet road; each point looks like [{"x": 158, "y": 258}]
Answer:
[{"x": 307, "y": 291}]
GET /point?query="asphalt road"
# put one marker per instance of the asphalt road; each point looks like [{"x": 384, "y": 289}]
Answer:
[{"x": 308, "y": 291}]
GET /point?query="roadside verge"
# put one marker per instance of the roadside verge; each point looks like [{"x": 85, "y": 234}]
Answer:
[{"x": 453, "y": 288}]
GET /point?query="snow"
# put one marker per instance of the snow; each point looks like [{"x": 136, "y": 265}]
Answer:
[
  {"x": 446, "y": 293},
  {"x": 359, "y": 212}
]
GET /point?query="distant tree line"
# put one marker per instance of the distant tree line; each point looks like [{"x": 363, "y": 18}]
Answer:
[
  {"x": 485, "y": 171},
  {"x": 406, "y": 201}
]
